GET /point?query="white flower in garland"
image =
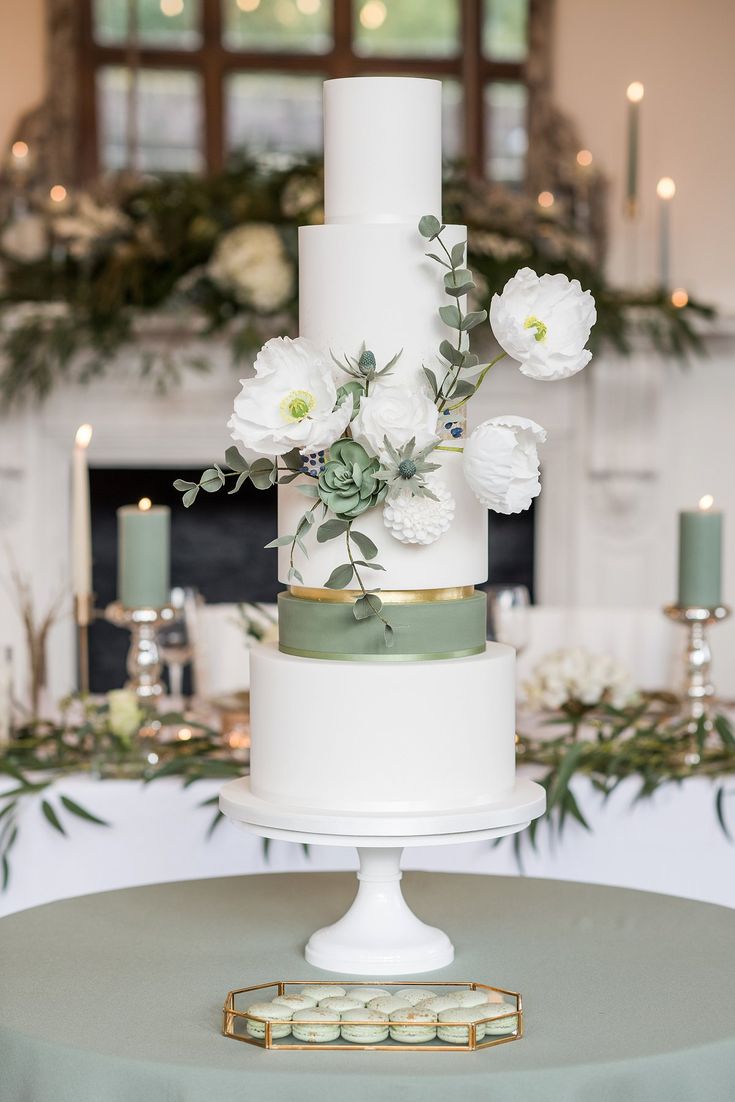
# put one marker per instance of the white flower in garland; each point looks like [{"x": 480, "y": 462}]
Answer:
[
  {"x": 575, "y": 677},
  {"x": 290, "y": 402},
  {"x": 422, "y": 520},
  {"x": 251, "y": 264},
  {"x": 544, "y": 323},
  {"x": 398, "y": 414},
  {"x": 501, "y": 463}
]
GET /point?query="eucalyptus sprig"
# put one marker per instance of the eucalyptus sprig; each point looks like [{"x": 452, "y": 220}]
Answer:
[
  {"x": 454, "y": 358},
  {"x": 369, "y": 603},
  {"x": 262, "y": 473}
]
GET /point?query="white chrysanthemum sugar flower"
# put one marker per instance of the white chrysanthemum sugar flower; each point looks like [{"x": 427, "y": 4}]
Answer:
[
  {"x": 544, "y": 323},
  {"x": 417, "y": 519},
  {"x": 251, "y": 264},
  {"x": 501, "y": 463},
  {"x": 574, "y": 677},
  {"x": 395, "y": 412},
  {"x": 290, "y": 401}
]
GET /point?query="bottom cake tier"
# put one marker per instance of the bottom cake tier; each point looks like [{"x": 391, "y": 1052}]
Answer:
[{"x": 357, "y": 736}]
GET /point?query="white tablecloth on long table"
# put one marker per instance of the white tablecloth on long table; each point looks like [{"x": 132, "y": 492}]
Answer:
[{"x": 670, "y": 844}]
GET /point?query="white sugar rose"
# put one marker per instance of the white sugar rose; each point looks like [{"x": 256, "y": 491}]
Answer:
[
  {"x": 290, "y": 402},
  {"x": 501, "y": 463},
  {"x": 398, "y": 414},
  {"x": 544, "y": 323},
  {"x": 251, "y": 264},
  {"x": 411, "y": 518}
]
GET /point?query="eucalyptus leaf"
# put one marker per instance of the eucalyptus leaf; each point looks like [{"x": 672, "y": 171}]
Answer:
[
  {"x": 457, "y": 253},
  {"x": 212, "y": 480},
  {"x": 388, "y": 634},
  {"x": 463, "y": 389},
  {"x": 331, "y": 529},
  {"x": 261, "y": 474},
  {"x": 234, "y": 460},
  {"x": 438, "y": 259},
  {"x": 295, "y": 576},
  {"x": 458, "y": 283},
  {"x": 361, "y": 609},
  {"x": 473, "y": 319},
  {"x": 285, "y": 479},
  {"x": 429, "y": 226},
  {"x": 190, "y": 497},
  {"x": 450, "y": 353},
  {"x": 280, "y": 541},
  {"x": 308, "y": 489},
  {"x": 451, "y": 316},
  {"x": 370, "y": 565},
  {"x": 340, "y": 577},
  {"x": 242, "y": 477},
  {"x": 181, "y": 484},
  {"x": 431, "y": 377},
  {"x": 293, "y": 460},
  {"x": 367, "y": 548}
]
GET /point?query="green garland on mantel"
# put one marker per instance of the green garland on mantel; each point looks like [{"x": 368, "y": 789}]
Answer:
[
  {"x": 78, "y": 279},
  {"x": 648, "y": 741}
]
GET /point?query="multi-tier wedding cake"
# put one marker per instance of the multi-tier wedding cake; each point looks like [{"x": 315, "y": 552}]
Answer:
[{"x": 382, "y": 695}]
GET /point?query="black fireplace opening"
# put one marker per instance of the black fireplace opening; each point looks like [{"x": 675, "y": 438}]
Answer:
[{"x": 217, "y": 548}]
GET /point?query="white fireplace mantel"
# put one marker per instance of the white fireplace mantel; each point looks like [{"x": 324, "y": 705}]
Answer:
[{"x": 630, "y": 441}]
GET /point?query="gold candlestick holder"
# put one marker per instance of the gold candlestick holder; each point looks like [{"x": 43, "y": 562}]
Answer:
[
  {"x": 84, "y": 614},
  {"x": 698, "y": 690},
  {"x": 144, "y": 658}
]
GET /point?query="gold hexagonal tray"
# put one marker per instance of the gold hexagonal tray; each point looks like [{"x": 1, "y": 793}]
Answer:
[{"x": 235, "y": 1017}]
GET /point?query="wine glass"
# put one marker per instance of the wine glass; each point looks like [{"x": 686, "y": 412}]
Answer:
[
  {"x": 176, "y": 641},
  {"x": 509, "y": 617}
]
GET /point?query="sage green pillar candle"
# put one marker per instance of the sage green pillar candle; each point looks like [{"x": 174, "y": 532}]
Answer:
[
  {"x": 700, "y": 556},
  {"x": 143, "y": 555}
]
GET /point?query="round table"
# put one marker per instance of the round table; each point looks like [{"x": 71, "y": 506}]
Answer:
[{"x": 118, "y": 996}]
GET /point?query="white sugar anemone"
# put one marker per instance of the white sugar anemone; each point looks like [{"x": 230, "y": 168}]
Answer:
[
  {"x": 290, "y": 402},
  {"x": 501, "y": 463},
  {"x": 544, "y": 323}
]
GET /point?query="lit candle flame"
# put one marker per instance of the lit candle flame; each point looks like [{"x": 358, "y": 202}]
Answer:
[
  {"x": 679, "y": 298},
  {"x": 635, "y": 91},
  {"x": 666, "y": 188},
  {"x": 145, "y": 504},
  {"x": 706, "y": 502},
  {"x": 184, "y": 734},
  {"x": 83, "y": 436},
  {"x": 584, "y": 158}
]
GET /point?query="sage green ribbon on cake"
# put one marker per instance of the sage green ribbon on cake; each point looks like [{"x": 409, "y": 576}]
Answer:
[{"x": 422, "y": 630}]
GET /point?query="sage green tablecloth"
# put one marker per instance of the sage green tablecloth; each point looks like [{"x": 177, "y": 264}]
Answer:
[{"x": 116, "y": 997}]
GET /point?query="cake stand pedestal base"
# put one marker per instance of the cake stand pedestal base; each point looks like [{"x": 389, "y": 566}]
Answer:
[{"x": 380, "y": 935}]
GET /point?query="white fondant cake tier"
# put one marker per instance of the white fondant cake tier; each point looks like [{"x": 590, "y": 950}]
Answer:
[
  {"x": 459, "y": 557},
  {"x": 374, "y": 284},
  {"x": 410, "y": 736},
  {"x": 382, "y": 149}
]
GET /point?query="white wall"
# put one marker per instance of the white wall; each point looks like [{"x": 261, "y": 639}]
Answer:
[
  {"x": 682, "y": 51},
  {"x": 22, "y": 76}
]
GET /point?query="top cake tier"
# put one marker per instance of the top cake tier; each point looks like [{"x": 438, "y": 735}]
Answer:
[{"x": 382, "y": 149}]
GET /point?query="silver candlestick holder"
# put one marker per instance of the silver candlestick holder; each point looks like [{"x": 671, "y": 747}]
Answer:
[
  {"x": 144, "y": 658},
  {"x": 698, "y": 690}
]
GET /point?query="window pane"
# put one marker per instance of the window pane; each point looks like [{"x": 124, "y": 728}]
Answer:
[
  {"x": 505, "y": 131},
  {"x": 407, "y": 28},
  {"x": 173, "y": 23},
  {"x": 274, "y": 112},
  {"x": 505, "y": 30},
  {"x": 168, "y": 119},
  {"x": 303, "y": 25}
]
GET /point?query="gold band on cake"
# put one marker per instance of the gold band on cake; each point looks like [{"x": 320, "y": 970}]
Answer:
[{"x": 387, "y": 596}]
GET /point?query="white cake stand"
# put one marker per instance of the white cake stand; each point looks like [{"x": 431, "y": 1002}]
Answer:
[{"x": 380, "y": 935}]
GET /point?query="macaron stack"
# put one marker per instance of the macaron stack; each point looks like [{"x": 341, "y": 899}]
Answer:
[{"x": 324, "y": 1013}]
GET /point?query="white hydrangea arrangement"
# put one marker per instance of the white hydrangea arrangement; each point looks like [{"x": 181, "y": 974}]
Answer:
[
  {"x": 576, "y": 679},
  {"x": 373, "y": 438}
]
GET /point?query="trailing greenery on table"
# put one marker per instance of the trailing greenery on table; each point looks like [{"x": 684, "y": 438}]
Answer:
[
  {"x": 113, "y": 739},
  {"x": 79, "y": 278},
  {"x": 648, "y": 741}
]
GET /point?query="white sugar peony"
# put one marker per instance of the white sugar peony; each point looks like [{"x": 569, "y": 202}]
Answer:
[
  {"x": 398, "y": 414},
  {"x": 575, "y": 677},
  {"x": 501, "y": 463},
  {"x": 544, "y": 323},
  {"x": 416, "y": 519},
  {"x": 251, "y": 264},
  {"x": 290, "y": 401}
]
